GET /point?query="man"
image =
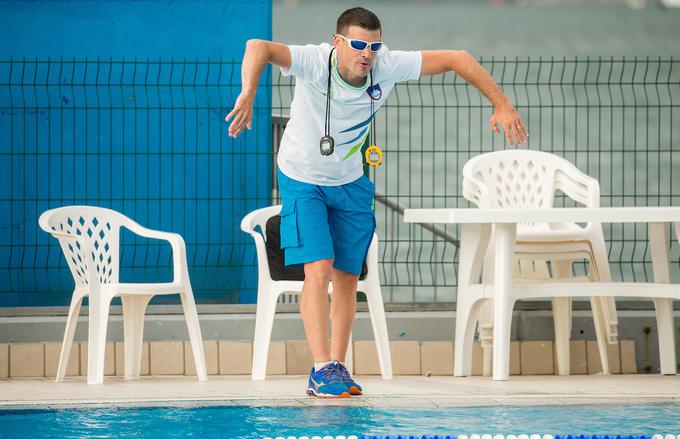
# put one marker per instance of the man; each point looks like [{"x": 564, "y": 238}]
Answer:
[{"x": 327, "y": 221}]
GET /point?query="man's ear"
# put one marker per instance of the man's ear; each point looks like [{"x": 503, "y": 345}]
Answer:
[{"x": 336, "y": 41}]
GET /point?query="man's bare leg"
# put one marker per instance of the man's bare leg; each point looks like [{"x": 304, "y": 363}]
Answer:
[
  {"x": 314, "y": 307},
  {"x": 343, "y": 309}
]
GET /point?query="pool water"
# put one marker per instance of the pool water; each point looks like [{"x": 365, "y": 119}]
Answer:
[{"x": 244, "y": 421}]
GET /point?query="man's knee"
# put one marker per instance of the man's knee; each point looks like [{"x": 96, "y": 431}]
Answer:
[
  {"x": 319, "y": 272},
  {"x": 346, "y": 281}
]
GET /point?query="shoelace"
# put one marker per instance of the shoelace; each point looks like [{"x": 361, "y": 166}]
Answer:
[
  {"x": 330, "y": 374},
  {"x": 341, "y": 370}
]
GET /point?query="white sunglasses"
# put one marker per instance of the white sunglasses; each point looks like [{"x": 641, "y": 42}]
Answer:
[{"x": 360, "y": 45}]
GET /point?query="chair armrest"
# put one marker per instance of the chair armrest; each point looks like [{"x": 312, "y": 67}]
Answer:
[
  {"x": 248, "y": 222},
  {"x": 473, "y": 191},
  {"x": 156, "y": 234},
  {"x": 258, "y": 217},
  {"x": 578, "y": 186},
  {"x": 179, "y": 252}
]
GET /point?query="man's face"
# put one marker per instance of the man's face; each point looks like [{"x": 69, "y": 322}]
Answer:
[{"x": 359, "y": 63}]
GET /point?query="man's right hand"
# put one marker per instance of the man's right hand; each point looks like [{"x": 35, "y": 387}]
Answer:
[
  {"x": 242, "y": 113},
  {"x": 258, "y": 54}
]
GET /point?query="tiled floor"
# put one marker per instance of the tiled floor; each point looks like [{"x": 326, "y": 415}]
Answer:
[{"x": 400, "y": 391}]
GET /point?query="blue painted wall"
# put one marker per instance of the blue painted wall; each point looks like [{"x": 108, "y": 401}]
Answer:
[
  {"x": 121, "y": 104},
  {"x": 173, "y": 28}
]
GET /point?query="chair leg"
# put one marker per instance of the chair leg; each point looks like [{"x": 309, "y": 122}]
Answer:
[
  {"x": 486, "y": 340},
  {"x": 600, "y": 334},
  {"x": 604, "y": 308},
  {"x": 467, "y": 313},
  {"x": 194, "y": 327},
  {"x": 264, "y": 321},
  {"x": 485, "y": 329},
  {"x": 562, "y": 319},
  {"x": 98, "y": 323},
  {"x": 376, "y": 310},
  {"x": 71, "y": 322},
  {"x": 609, "y": 317},
  {"x": 664, "y": 324},
  {"x": 134, "y": 308},
  {"x": 475, "y": 261}
]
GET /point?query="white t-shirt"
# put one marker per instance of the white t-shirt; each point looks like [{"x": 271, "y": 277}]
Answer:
[{"x": 299, "y": 156}]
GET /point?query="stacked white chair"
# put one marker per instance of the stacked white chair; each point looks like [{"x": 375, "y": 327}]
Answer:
[
  {"x": 89, "y": 237},
  {"x": 525, "y": 178},
  {"x": 269, "y": 290}
]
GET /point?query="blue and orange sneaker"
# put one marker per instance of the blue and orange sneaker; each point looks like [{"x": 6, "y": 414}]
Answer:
[
  {"x": 354, "y": 388},
  {"x": 327, "y": 383}
]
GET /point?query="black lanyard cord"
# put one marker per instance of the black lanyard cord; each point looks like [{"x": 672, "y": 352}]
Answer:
[
  {"x": 327, "y": 126},
  {"x": 327, "y": 142}
]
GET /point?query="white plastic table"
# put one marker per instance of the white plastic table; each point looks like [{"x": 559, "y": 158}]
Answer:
[{"x": 505, "y": 222}]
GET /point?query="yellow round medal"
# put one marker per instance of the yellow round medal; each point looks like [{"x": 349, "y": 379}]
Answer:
[{"x": 373, "y": 155}]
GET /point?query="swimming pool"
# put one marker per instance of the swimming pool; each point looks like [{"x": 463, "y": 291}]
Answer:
[{"x": 247, "y": 421}]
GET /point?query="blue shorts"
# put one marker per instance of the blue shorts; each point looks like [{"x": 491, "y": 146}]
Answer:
[{"x": 327, "y": 222}]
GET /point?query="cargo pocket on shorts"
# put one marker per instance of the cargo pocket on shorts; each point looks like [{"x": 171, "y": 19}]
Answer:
[{"x": 289, "y": 225}]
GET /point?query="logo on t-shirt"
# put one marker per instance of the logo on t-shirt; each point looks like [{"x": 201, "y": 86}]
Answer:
[{"x": 374, "y": 92}]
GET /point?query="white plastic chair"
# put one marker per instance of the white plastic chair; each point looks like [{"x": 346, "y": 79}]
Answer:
[
  {"x": 89, "y": 238},
  {"x": 524, "y": 178},
  {"x": 269, "y": 290}
]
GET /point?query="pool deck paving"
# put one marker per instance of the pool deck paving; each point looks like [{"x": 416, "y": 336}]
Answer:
[{"x": 401, "y": 391}]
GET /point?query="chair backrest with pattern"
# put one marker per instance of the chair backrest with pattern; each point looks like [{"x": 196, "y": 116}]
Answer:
[
  {"x": 87, "y": 232},
  {"x": 525, "y": 179}
]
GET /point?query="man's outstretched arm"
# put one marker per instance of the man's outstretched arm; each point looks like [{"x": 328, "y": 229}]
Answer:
[
  {"x": 465, "y": 65},
  {"x": 258, "y": 54}
]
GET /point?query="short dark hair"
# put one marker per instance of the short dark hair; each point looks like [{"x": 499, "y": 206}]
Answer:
[{"x": 357, "y": 17}]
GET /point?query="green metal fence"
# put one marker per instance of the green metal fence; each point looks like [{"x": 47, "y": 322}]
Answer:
[
  {"x": 146, "y": 138},
  {"x": 616, "y": 119}
]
